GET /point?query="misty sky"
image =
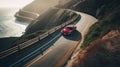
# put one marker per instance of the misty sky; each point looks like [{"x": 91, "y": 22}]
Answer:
[
  {"x": 14, "y": 3},
  {"x": 21, "y": 3}
]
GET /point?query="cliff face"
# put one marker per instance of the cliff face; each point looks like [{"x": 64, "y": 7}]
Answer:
[{"x": 104, "y": 52}]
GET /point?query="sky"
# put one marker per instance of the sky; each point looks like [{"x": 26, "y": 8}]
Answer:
[{"x": 14, "y": 3}]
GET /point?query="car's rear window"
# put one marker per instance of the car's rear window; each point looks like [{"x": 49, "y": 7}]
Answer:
[{"x": 69, "y": 28}]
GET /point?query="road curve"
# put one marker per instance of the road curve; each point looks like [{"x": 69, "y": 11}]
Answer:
[{"x": 63, "y": 45}]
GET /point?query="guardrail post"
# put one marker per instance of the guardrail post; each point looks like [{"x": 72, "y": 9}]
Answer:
[
  {"x": 39, "y": 38},
  {"x": 55, "y": 28},
  {"x": 18, "y": 47},
  {"x": 48, "y": 32}
]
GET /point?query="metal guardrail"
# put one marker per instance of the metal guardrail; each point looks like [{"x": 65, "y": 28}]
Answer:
[
  {"x": 34, "y": 40},
  {"x": 8, "y": 52}
]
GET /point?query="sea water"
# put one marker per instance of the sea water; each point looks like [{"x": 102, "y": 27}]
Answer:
[{"x": 9, "y": 26}]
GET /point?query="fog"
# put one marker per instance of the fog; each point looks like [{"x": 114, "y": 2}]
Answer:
[
  {"x": 14, "y": 3},
  {"x": 41, "y": 5}
]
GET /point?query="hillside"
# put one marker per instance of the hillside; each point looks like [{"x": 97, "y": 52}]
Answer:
[
  {"x": 104, "y": 52},
  {"x": 101, "y": 46},
  {"x": 50, "y": 19},
  {"x": 92, "y": 7},
  {"x": 110, "y": 21}
]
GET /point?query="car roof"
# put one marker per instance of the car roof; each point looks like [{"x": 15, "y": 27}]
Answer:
[{"x": 70, "y": 25}]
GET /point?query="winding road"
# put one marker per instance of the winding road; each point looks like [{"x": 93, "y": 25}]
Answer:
[{"x": 57, "y": 54}]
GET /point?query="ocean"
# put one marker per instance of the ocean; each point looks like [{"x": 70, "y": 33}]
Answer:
[{"x": 9, "y": 26}]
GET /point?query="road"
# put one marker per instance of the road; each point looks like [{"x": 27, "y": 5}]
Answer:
[{"x": 63, "y": 46}]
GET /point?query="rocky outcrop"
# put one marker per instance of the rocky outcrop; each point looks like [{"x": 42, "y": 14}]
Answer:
[{"x": 31, "y": 12}]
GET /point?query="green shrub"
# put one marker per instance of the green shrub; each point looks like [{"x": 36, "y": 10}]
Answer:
[{"x": 110, "y": 22}]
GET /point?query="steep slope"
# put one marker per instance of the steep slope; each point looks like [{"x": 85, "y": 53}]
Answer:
[
  {"x": 101, "y": 46},
  {"x": 104, "y": 52}
]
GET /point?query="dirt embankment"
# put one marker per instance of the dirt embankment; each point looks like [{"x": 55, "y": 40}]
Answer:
[{"x": 104, "y": 52}]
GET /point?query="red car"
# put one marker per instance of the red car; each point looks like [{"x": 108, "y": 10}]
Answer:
[{"x": 68, "y": 29}]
